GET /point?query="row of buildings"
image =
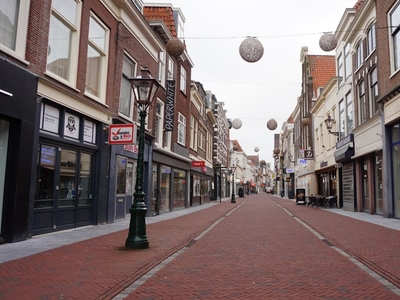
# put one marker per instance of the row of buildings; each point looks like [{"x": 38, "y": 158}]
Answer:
[
  {"x": 65, "y": 69},
  {"x": 343, "y": 137}
]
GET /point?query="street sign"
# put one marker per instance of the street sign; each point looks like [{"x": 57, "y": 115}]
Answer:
[
  {"x": 121, "y": 134},
  {"x": 288, "y": 171},
  {"x": 302, "y": 161}
]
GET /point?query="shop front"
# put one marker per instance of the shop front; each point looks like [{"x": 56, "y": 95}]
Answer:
[
  {"x": 68, "y": 189},
  {"x": 170, "y": 182},
  {"x": 19, "y": 107},
  {"x": 201, "y": 185},
  {"x": 343, "y": 154}
]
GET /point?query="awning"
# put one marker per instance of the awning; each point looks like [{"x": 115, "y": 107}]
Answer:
[{"x": 344, "y": 153}]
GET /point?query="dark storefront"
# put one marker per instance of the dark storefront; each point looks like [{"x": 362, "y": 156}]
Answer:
[
  {"x": 19, "y": 109},
  {"x": 201, "y": 185},
  {"x": 69, "y": 190},
  {"x": 343, "y": 154},
  {"x": 170, "y": 179}
]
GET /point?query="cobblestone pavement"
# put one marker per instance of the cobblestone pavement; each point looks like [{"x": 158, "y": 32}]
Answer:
[{"x": 262, "y": 247}]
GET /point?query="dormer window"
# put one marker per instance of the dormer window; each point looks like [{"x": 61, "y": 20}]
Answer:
[{"x": 139, "y": 5}]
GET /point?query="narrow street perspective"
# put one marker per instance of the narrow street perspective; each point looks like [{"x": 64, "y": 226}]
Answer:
[{"x": 261, "y": 247}]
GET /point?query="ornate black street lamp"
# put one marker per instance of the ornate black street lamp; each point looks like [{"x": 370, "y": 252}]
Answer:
[
  {"x": 233, "y": 169},
  {"x": 329, "y": 124},
  {"x": 145, "y": 88}
]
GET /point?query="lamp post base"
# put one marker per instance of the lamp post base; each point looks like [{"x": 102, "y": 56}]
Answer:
[
  {"x": 137, "y": 238},
  {"x": 233, "y": 200}
]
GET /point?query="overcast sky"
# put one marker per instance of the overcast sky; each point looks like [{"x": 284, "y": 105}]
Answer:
[{"x": 267, "y": 89}]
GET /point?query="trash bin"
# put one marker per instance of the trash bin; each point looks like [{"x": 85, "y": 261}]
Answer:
[
  {"x": 300, "y": 196},
  {"x": 241, "y": 193}
]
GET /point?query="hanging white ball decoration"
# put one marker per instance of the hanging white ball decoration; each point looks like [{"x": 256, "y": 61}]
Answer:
[
  {"x": 236, "y": 123},
  {"x": 328, "y": 42},
  {"x": 251, "y": 49},
  {"x": 256, "y": 149},
  {"x": 272, "y": 124}
]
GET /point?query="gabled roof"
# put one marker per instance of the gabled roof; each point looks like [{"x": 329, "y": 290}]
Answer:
[
  {"x": 322, "y": 69},
  {"x": 358, "y": 5},
  {"x": 165, "y": 14},
  {"x": 236, "y": 143}
]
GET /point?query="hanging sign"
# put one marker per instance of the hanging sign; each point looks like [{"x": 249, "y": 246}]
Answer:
[
  {"x": 198, "y": 163},
  {"x": 121, "y": 134},
  {"x": 169, "y": 106}
]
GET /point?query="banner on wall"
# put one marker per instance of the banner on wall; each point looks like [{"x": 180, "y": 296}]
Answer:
[{"x": 169, "y": 106}]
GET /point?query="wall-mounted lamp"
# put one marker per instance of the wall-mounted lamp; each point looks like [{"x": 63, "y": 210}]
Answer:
[
  {"x": 290, "y": 157},
  {"x": 329, "y": 124}
]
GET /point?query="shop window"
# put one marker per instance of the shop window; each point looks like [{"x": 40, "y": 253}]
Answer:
[
  {"x": 165, "y": 189},
  {"x": 85, "y": 180},
  {"x": 121, "y": 175},
  {"x": 44, "y": 196},
  {"x": 179, "y": 192}
]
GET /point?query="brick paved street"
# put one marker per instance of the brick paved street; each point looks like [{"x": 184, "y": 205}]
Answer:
[
  {"x": 262, "y": 247},
  {"x": 262, "y": 252}
]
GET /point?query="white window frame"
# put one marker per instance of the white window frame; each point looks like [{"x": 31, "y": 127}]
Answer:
[
  {"x": 371, "y": 39},
  {"x": 394, "y": 34},
  {"x": 159, "y": 122},
  {"x": 349, "y": 113},
  {"x": 124, "y": 82},
  {"x": 102, "y": 81},
  {"x": 347, "y": 61},
  {"x": 181, "y": 129},
  {"x": 373, "y": 89},
  {"x": 161, "y": 68},
  {"x": 22, "y": 32},
  {"x": 74, "y": 47},
  {"x": 362, "y": 102},
  {"x": 340, "y": 68},
  {"x": 359, "y": 54},
  {"x": 183, "y": 81},
  {"x": 171, "y": 66}
]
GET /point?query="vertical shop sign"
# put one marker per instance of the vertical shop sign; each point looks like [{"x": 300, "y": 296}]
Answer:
[{"x": 169, "y": 106}]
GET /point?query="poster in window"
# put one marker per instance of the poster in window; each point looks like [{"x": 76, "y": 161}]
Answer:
[
  {"x": 71, "y": 126},
  {"x": 49, "y": 118},
  {"x": 89, "y": 132}
]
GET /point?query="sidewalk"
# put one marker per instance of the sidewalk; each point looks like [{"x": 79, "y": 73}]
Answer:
[
  {"x": 91, "y": 262},
  {"x": 45, "y": 242}
]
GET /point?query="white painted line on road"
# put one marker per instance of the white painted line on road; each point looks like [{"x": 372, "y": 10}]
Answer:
[
  {"x": 127, "y": 291},
  {"x": 369, "y": 271}
]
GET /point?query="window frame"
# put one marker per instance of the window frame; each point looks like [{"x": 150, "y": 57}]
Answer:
[
  {"x": 74, "y": 46},
  {"x": 362, "y": 102},
  {"x": 22, "y": 32},
  {"x": 394, "y": 32},
  {"x": 371, "y": 39},
  {"x": 359, "y": 54},
  {"x": 183, "y": 81},
  {"x": 104, "y": 53},
  {"x": 124, "y": 81},
  {"x": 373, "y": 89},
  {"x": 159, "y": 122},
  {"x": 181, "y": 129}
]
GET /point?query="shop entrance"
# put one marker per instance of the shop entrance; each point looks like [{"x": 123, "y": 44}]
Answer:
[
  {"x": 125, "y": 186},
  {"x": 64, "y": 195}
]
